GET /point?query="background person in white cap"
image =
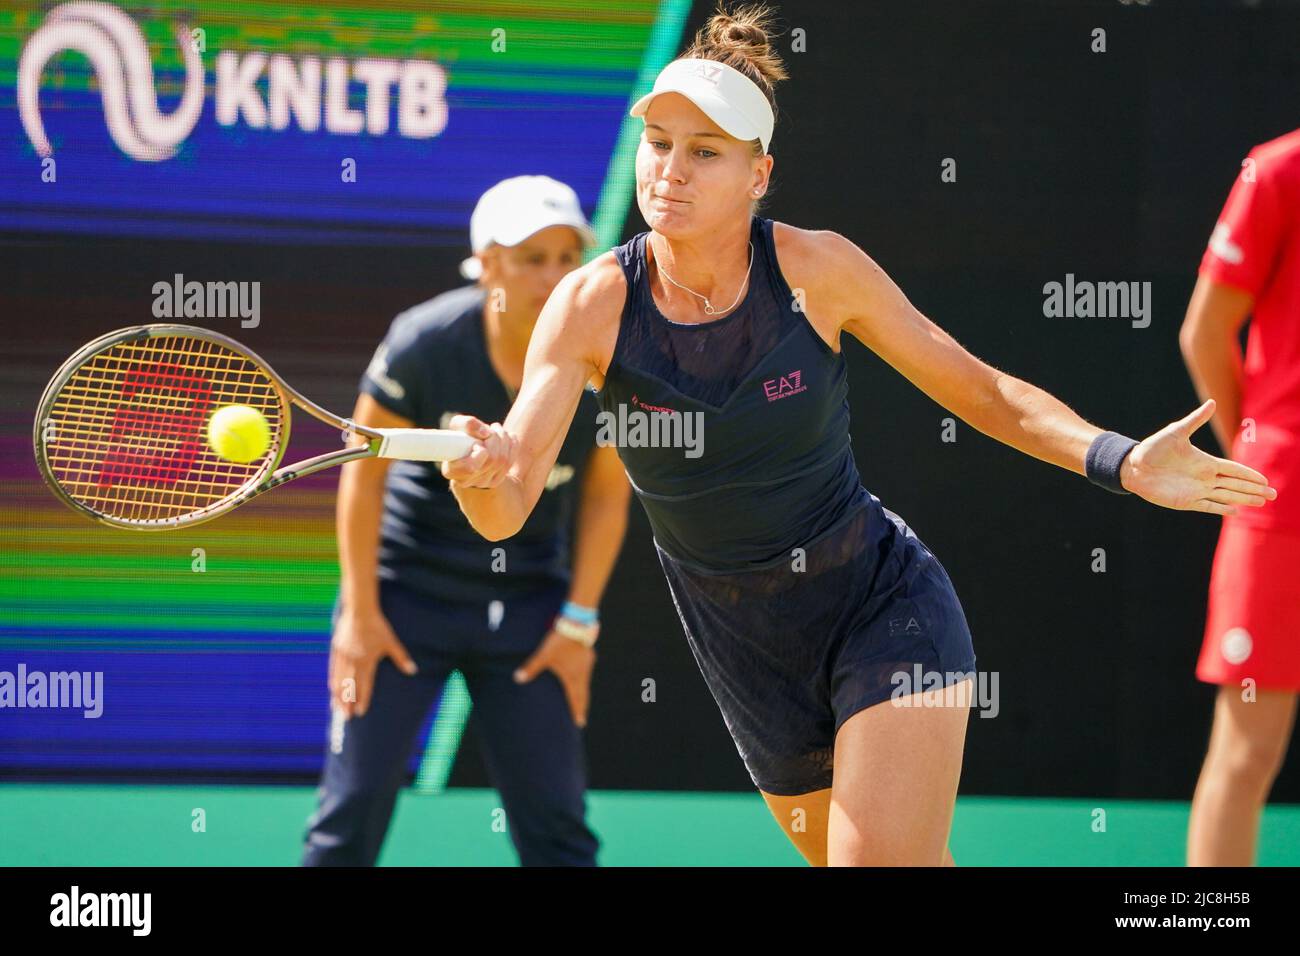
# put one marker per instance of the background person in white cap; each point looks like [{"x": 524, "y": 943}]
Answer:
[
  {"x": 422, "y": 594},
  {"x": 828, "y": 633}
]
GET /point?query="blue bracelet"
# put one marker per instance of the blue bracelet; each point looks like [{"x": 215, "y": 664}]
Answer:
[
  {"x": 1105, "y": 458},
  {"x": 583, "y": 615}
]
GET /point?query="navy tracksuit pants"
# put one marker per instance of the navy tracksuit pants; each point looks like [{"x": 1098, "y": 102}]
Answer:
[{"x": 532, "y": 748}]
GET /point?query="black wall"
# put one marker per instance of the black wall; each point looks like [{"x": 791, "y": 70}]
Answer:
[{"x": 1112, "y": 166}]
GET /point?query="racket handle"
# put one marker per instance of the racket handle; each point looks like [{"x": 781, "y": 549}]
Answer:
[{"x": 423, "y": 444}]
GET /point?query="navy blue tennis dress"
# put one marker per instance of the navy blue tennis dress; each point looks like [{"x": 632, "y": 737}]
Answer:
[{"x": 803, "y": 598}]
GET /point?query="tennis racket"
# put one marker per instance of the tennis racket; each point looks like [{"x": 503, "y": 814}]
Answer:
[{"x": 120, "y": 433}]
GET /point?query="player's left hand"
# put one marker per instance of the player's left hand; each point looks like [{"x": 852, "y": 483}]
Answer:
[
  {"x": 1168, "y": 470},
  {"x": 571, "y": 662}
]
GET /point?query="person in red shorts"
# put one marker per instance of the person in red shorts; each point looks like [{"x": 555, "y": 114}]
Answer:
[{"x": 1251, "y": 646}]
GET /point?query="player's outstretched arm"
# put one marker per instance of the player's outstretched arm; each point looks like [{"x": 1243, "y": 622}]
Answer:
[
  {"x": 499, "y": 482},
  {"x": 1165, "y": 469}
]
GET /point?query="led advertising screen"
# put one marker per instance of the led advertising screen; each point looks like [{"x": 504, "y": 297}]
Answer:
[
  {"x": 352, "y": 121},
  {"x": 268, "y": 128}
]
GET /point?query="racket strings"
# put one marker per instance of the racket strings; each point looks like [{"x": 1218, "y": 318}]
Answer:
[{"x": 126, "y": 433}]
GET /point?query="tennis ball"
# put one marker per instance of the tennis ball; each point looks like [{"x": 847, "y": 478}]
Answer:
[{"x": 239, "y": 433}]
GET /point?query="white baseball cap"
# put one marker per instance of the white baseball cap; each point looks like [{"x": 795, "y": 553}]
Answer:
[
  {"x": 515, "y": 209},
  {"x": 727, "y": 96}
]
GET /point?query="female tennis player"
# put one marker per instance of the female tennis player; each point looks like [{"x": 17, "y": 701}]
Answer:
[{"x": 807, "y": 604}]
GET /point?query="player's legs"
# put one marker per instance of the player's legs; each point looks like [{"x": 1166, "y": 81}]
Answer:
[
  {"x": 896, "y": 774},
  {"x": 365, "y": 765},
  {"x": 1247, "y": 745},
  {"x": 808, "y": 713},
  {"x": 361, "y": 780},
  {"x": 1249, "y": 641},
  {"x": 805, "y": 818},
  {"x": 532, "y": 747}
]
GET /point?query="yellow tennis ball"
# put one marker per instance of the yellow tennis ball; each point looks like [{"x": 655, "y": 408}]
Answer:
[{"x": 239, "y": 433}]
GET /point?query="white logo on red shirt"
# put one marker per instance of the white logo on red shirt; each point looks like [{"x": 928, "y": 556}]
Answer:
[
  {"x": 1236, "y": 645},
  {"x": 1222, "y": 246}
]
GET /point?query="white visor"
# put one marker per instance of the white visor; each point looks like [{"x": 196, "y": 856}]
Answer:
[
  {"x": 515, "y": 209},
  {"x": 727, "y": 96}
]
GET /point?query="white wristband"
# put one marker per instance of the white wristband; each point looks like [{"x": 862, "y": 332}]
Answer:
[{"x": 584, "y": 634}]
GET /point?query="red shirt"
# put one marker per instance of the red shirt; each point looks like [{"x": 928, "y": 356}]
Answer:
[{"x": 1256, "y": 247}]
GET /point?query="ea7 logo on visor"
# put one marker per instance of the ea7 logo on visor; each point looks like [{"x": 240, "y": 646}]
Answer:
[
  {"x": 309, "y": 93},
  {"x": 707, "y": 72}
]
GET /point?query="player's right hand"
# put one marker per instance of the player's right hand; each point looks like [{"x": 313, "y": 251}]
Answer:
[
  {"x": 361, "y": 640},
  {"x": 488, "y": 461}
]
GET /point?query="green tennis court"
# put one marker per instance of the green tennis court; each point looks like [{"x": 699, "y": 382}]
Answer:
[{"x": 62, "y": 825}]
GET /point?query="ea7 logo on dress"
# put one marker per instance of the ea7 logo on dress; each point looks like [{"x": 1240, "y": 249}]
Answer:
[{"x": 783, "y": 386}]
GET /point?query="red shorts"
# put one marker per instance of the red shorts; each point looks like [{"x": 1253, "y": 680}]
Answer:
[{"x": 1252, "y": 629}]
